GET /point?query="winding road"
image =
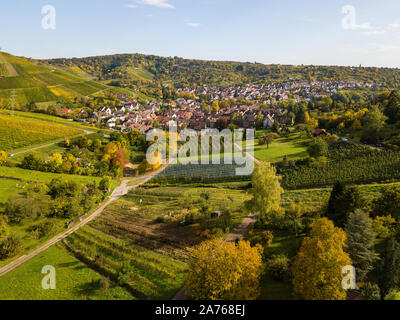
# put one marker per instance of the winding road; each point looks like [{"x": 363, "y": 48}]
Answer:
[{"x": 118, "y": 193}]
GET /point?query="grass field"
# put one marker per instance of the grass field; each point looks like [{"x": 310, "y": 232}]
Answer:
[
  {"x": 73, "y": 280},
  {"x": 280, "y": 148},
  {"x": 19, "y": 132}
]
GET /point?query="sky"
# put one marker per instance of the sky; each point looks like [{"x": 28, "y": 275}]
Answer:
[{"x": 310, "y": 32}]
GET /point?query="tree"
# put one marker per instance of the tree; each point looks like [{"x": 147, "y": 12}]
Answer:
[
  {"x": 343, "y": 200},
  {"x": 388, "y": 203},
  {"x": 392, "y": 109},
  {"x": 105, "y": 184},
  {"x": 267, "y": 139},
  {"x": 220, "y": 270},
  {"x": 318, "y": 148},
  {"x": 374, "y": 121},
  {"x": 266, "y": 190},
  {"x": 11, "y": 247},
  {"x": 317, "y": 268},
  {"x": 3, "y": 158},
  {"x": 389, "y": 269},
  {"x": 360, "y": 243}
]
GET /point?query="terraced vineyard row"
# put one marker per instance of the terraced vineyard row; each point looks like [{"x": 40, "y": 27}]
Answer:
[{"x": 144, "y": 273}]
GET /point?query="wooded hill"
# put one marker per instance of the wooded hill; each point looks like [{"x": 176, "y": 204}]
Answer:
[{"x": 135, "y": 69}]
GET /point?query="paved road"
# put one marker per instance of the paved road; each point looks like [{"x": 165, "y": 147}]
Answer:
[
  {"x": 119, "y": 192},
  {"x": 235, "y": 235}
]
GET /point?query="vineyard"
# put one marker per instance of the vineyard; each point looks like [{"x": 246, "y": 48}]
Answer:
[
  {"x": 34, "y": 82},
  {"x": 17, "y": 132},
  {"x": 143, "y": 273},
  {"x": 353, "y": 164}
]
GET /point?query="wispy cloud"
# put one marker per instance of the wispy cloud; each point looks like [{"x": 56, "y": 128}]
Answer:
[
  {"x": 130, "y": 5},
  {"x": 394, "y": 26},
  {"x": 193, "y": 24},
  {"x": 157, "y": 3},
  {"x": 375, "y": 32}
]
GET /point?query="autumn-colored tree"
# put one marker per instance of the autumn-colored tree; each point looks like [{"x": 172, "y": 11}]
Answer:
[
  {"x": 3, "y": 158},
  {"x": 266, "y": 190},
  {"x": 220, "y": 270},
  {"x": 317, "y": 269},
  {"x": 215, "y": 106}
]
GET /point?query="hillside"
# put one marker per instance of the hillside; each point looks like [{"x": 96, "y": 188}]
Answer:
[
  {"x": 129, "y": 70},
  {"x": 37, "y": 82}
]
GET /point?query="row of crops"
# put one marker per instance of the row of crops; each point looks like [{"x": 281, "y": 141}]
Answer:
[
  {"x": 142, "y": 272},
  {"x": 353, "y": 164},
  {"x": 17, "y": 132}
]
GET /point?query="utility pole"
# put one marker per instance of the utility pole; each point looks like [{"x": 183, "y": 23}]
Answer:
[{"x": 13, "y": 101}]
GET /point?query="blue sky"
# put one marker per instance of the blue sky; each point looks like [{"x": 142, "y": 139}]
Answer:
[{"x": 267, "y": 31}]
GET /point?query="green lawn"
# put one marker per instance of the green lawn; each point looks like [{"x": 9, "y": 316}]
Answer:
[
  {"x": 280, "y": 148},
  {"x": 73, "y": 280}
]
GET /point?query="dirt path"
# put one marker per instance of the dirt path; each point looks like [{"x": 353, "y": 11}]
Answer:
[
  {"x": 86, "y": 132},
  {"x": 246, "y": 224},
  {"x": 118, "y": 193}
]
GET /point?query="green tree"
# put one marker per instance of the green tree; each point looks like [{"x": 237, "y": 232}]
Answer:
[
  {"x": 389, "y": 269},
  {"x": 373, "y": 122},
  {"x": 360, "y": 243},
  {"x": 266, "y": 190},
  {"x": 388, "y": 203},
  {"x": 343, "y": 200},
  {"x": 318, "y": 148},
  {"x": 392, "y": 109}
]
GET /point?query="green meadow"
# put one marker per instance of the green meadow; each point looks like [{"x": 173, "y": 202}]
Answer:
[{"x": 73, "y": 280}]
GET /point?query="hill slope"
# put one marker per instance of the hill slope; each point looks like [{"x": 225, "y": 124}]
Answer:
[
  {"x": 138, "y": 69},
  {"x": 38, "y": 82}
]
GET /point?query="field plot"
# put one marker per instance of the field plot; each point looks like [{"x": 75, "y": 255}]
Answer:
[
  {"x": 140, "y": 241},
  {"x": 73, "y": 280},
  {"x": 18, "y": 132},
  {"x": 16, "y": 180}
]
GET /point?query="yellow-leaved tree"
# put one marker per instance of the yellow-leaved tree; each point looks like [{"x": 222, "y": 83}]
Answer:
[
  {"x": 317, "y": 268},
  {"x": 3, "y": 158},
  {"x": 220, "y": 270}
]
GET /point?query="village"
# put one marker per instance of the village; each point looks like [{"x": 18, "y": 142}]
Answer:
[{"x": 212, "y": 107}]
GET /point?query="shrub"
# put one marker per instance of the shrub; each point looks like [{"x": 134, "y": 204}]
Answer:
[
  {"x": 45, "y": 229},
  {"x": 371, "y": 291},
  {"x": 393, "y": 295},
  {"x": 101, "y": 284},
  {"x": 267, "y": 238},
  {"x": 278, "y": 267},
  {"x": 11, "y": 247}
]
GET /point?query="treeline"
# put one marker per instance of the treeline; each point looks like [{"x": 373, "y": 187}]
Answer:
[{"x": 185, "y": 72}]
